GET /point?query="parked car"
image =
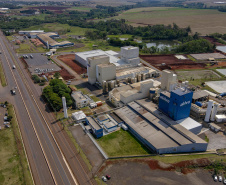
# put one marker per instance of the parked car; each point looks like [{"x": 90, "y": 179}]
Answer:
[
  {"x": 215, "y": 178},
  {"x": 14, "y": 67},
  {"x": 104, "y": 178},
  {"x": 220, "y": 178},
  {"x": 224, "y": 181},
  {"x": 108, "y": 177}
]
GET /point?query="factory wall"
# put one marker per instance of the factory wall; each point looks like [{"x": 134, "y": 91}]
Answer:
[
  {"x": 81, "y": 60},
  {"x": 129, "y": 52},
  {"x": 105, "y": 73},
  {"x": 164, "y": 103},
  {"x": 180, "y": 105},
  {"x": 91, "y": 66}
]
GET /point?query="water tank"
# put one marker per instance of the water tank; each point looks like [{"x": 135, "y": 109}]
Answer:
[
  {"x": 198, "y": 104},
  {"x": 112, "y": 84},
  {"x": 208, "y": 112},
  {"x": 139, "y": 78}
]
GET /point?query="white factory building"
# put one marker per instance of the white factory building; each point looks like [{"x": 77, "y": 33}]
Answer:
[
  {"x": 106, "y": 65},
  {"x": 128, "y": 93}
]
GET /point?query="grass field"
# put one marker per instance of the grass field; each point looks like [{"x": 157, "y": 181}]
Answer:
[
  {"x": 60, "y": 28},
  {"x": 122, "y": 143},
  {"x": 204, "y": 21},
  {"x": 175, "y": 159},
  {"x": 2, "y": 76},
  {"x": 13, "y": 163}
]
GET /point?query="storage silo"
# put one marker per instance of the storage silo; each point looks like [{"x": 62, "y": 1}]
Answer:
[
  {"x": 214, "y": 112},
  {"x": 208, "y": 111}
]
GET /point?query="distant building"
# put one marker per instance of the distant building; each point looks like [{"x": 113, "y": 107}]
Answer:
[{"x": 48, "y": 40}]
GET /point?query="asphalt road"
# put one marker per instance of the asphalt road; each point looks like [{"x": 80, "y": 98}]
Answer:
[
  {"x": 65, "y": 165},
  {"x": 47, "y": 162}
]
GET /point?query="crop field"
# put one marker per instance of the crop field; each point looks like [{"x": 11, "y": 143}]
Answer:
[
  {"x": 204, "y": 21},
  {"x": 81, "y": 8}
]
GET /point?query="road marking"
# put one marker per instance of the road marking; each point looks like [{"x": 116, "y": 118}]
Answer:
[{"x": 29, "y": 114}]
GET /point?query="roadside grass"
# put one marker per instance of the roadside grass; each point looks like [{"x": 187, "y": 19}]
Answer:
[
  {"x": 79, "y": 149},
  {"x": 122, "y": 143},
  {"x": 9, "y": 37},
  {"x": 27, "y": 48},
  {"x": 179, "y": 158},
  {"x": 14, "y": 167},
  {"x": 60, "y": 115},
  {"x": 2, "y": 76}
]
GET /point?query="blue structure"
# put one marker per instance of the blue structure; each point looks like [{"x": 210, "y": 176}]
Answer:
[
  {"x": 96, "y": 128},
  {"x": 180, "y": 104},
  {"x": 176, "y": 104},
  {"x": 164, "y": 100}
]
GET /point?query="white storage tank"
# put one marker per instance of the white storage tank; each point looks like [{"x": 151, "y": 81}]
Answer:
[{"x": 208, "y": 112}]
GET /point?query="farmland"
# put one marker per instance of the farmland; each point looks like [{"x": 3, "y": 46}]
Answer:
[{"x": 204, "y": 21}]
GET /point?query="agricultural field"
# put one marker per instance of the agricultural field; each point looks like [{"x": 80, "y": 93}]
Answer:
[
  {"x": 122, "y": 143},
  {"x": 81, "y": 9},
  {"x": 204, "y": 21}
]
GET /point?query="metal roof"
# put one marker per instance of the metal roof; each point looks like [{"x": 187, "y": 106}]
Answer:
[
  {"x": 199, "y": 94},
  {"x": 93, "y": 123}
]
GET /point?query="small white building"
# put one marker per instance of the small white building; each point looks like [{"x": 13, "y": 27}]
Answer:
[
  {"x": 221, "y": 118},
  {"x": 78, "y": 116},
  {"x": 80, "y": 99},
  {"x": 190, "y": 125}
]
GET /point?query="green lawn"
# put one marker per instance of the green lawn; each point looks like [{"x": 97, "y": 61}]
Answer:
[
  {"x": 13, "y": 163},
  {"x": 2, "y": 76},
  {"x": 122, "y": 143}
]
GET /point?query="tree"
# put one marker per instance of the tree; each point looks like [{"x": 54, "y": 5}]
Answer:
[{"x": 57, "y": 75}]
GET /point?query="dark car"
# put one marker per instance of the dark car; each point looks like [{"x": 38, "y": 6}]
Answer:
[{"x": 108, "y": 177}]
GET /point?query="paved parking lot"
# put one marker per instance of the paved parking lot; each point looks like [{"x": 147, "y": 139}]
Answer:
[
  {"x": 41, "y": 63},
  {"x": 216, "y": 141},
  {"x": 134, "y": 173}
]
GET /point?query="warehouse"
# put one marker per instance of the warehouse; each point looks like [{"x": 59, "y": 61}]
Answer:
[
  {"x": 81, "y": 57},
  {"x": 31, "y": 31},
  {"x": 157, "y": 134},
  {"x": 48, "y": 40}
]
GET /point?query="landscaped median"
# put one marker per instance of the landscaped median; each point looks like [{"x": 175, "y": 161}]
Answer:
[
  {"x": 14, "y": 168},
  {"x": 2, "y": 76}
]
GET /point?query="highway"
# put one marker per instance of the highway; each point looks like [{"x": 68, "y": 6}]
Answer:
[{"x": 48, "y": 160}]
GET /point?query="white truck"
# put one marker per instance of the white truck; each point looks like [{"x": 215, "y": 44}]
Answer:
[{"x": 14, "y": 67}]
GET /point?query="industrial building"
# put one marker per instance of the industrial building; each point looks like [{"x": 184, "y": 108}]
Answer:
[
  {"x": 78, "y": 116},
  {"x": 48, "y": 40},
  {"x": 158, "y": 134},
  {"x": 177, "y": 103},
  {"x": 96, "y": 128},
  {"x": 125, "y": 94},
  {"x": 30, "y": 32},
  {"x": 80, "y": 99},
  {"x": 106, "y": 65},
  {"x": 168, "y": 80},
  {"x": 103, "y": 124}
]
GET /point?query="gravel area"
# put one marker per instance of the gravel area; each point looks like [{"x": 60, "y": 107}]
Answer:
[
  {"x": 134, "y": 173},
  {"x": 93, "y": 154}
]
